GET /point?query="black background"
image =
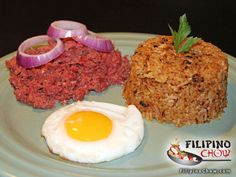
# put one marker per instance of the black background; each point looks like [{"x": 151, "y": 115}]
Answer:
[{"x": 213, "y": 21}]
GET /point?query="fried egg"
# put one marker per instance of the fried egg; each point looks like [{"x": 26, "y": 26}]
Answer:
[{"x": 92, "y": 132}]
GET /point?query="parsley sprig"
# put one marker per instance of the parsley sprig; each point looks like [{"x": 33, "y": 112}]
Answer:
[{"x": 179, "y": 37}]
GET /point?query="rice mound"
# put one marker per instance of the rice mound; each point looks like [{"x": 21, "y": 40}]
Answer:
[{"x": 178, "y": 88}]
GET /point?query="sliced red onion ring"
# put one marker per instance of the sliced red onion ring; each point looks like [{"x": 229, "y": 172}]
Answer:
[
  {"x": 96, "y": 42},
  {"x": 66, "y": 28},
  {"x": 30, "y": 61}
]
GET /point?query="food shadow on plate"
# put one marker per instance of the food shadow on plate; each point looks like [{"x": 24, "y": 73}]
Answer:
[{"x": 113, "y": 95}]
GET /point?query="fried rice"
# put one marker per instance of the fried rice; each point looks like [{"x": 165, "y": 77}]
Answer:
[{"x": 178, "y": 88}]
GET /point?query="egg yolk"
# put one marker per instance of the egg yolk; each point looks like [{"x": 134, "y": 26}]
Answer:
[{"x": 88, "y": 126}]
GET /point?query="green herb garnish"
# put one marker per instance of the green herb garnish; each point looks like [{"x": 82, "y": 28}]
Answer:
[{"x": 181, "y": 35}]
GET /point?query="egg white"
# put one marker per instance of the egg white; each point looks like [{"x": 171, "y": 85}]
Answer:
[{"x": 127, "y": 133}]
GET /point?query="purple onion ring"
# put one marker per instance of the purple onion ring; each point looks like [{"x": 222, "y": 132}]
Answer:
[
  {"x": 66, "y": 28},
  {"x": 30, "y": 61},
  {"x": 96, "y": 42}
]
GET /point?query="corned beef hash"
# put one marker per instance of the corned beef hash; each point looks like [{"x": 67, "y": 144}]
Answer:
[{"x": 65, "y": 65}]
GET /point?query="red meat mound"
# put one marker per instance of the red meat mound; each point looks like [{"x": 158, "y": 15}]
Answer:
[{"x": 71, "y": 76}]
